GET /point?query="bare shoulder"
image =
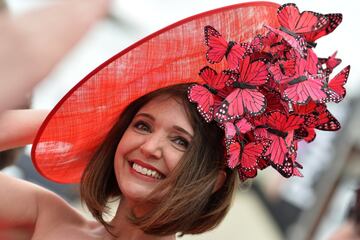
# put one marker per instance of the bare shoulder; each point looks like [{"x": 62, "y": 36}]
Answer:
[{"x": 38, "y": 212}]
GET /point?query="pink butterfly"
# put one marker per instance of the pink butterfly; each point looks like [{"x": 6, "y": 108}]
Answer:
[
  {"x": 279, "y": 129},
  {"x": 303, "y": 86},
  {"x": 241, "y": 126},
  {"x": 220, "y": 48},
  {"x": 246, "y": 97},
  {"x": 206, "y": 95}
]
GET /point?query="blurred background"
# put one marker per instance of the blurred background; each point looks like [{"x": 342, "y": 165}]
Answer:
[{"x": 270, "y": 207}]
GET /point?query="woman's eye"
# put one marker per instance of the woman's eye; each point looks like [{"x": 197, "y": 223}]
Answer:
[
  {"x": 142, "y": 126},
  {"x": 182, "y": 142}
]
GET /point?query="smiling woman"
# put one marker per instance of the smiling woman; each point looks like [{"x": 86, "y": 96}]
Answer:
[{"x": 161, "y": 133}]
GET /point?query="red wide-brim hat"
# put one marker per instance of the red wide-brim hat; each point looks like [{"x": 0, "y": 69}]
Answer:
[{"x": 78, "y": 124}]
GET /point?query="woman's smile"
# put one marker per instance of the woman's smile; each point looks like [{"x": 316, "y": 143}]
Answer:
[{"x": 146, "y": 171}]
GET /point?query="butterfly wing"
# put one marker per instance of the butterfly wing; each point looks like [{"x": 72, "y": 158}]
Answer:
[
  {"x": 327, "y": 122},
  {"x": 234, "y": 55},
  {"x": 334, "y": 20},
  {"x": 243, "y": 126},
  {"x": 233, "y": 150},
  {"x": 296, "y": 41},
  {"x": 302, "y": 92},
  {"x": 214, "y": 80},
  {"x": 299, "y": 23},
  {"x": 217, "y": 45},
  {"x": 250, "y": 153},
  {"x": 335, "y": 87},
  {"x": 204, "y": 99}
]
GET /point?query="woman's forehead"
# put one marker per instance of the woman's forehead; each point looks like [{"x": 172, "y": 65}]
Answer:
[{"x": 167, "y": 108}]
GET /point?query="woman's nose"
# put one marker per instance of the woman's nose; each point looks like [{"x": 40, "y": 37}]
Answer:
[{"x": 152, "y": 146}]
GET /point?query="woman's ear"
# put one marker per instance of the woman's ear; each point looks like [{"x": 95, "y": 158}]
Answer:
[{"x": 219, "y": 181}]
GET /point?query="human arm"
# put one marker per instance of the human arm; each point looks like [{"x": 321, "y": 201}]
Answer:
[
  {"x": 33, "y": 43},
  {"x": 31, "y": 210},
  {"x": 18, "y": 127}
]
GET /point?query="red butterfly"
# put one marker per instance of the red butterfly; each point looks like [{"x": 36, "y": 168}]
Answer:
[
  {"x": 243, "y": 155},
  {"x": 289, "y": 167},
  {"x": 316, "y": 116},
  {"x": 274, "y": 101},
  {"x": 334, "y": 20},
  {"x": 272, "y": 43},
  {"x": 283, "y": 70},
  {"x": 220, "y": 48},
  {"x": 295, "y": 41},
  {"x": 309, "y": 24},
  {"x": 330, "y": 63},
  {"x": 303, "y": 86},
  {"x": 335, "y": 87},
  {"x": 279, "y": 129},
  {"x": 246, "y": 97},
  {"x": 206, "y": 95},
  {"x": 241, "y": 126}
]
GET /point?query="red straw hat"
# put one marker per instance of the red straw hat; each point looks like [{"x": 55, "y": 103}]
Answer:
[{"x": 80, "y": 121}]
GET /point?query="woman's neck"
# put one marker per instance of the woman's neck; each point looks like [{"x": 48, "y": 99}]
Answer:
[{"x": 124, "y": 229}]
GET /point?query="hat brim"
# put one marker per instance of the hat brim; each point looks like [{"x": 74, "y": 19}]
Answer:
[{"x": 79, "y": 122}]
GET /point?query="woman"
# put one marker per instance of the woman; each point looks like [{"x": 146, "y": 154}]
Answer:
[
  {"x": 144, "y": 128},
  {"x": 143, "y": 147}
]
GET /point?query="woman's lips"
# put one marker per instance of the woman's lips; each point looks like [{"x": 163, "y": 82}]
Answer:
[{"x": 145, "y": 171}]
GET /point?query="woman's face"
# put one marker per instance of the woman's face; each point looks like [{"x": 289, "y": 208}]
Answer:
[{"x": 151, "y": 147}]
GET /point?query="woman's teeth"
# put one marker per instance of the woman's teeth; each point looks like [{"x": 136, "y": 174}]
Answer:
[{"x": 145, "y": 171}]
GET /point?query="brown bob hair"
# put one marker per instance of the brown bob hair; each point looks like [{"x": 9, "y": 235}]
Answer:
[{"x": 191, "y": 205}]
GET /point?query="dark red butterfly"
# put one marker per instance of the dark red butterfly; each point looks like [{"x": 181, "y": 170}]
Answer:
[
  {"x": 335, "y": 89},
  {"x": 245, "y": 174},
  {"x": 206, "y": 95},
  {"x": 246, "y": 97},
  {"x": 317, "y": 116},
  {"x": 220, "y": 48},
  {"x": 289, "y": 167},
  {"x": 274, "y": 101}
]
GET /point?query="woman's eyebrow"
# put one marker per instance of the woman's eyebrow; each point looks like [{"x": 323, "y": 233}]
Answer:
[
  {"x": 180, "y": 129},
  {"x": 176, "y": 127},
  {"x": 147, "y": 115}
]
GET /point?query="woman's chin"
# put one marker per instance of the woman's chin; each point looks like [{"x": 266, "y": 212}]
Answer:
[{"x": 135, "y": 192}]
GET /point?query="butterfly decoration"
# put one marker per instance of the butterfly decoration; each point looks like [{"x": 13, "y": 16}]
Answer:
[
  {"x": 246, "y": 97},
  {"x": 334, "y": 88},
  {"x": 218, "y": 48},
  {"x": 305, "y": 85},
  {"x": 206, "y": 95},
  {"x": 307, "y": 24},
  {"x": 272, "y": 91},
  {"x": 330, "y": 63},
  {"x": 279, "y": 129},
  {"x": 316, "y": 116}
]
